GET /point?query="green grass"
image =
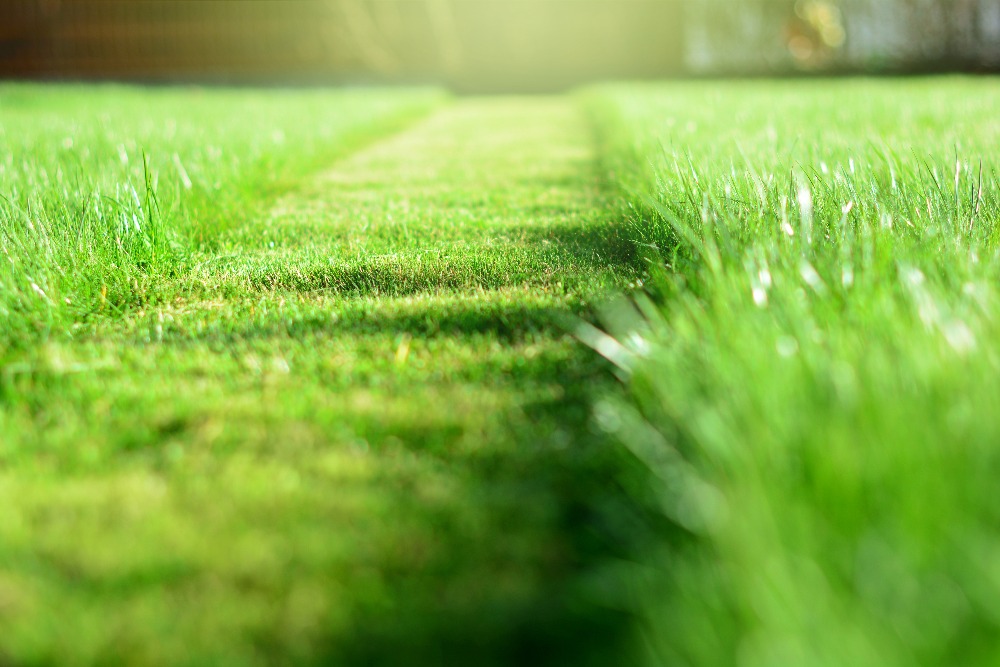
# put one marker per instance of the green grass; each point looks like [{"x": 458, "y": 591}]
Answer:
[
  {"x": 815, "y": 391},
  {"x": 109, "y": 191},
  {"x": 292, "y": 418},
  {"x": 285, "y": 376}
]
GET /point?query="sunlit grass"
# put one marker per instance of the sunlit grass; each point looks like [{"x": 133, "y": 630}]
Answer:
[
  {"x": 815, "y": 391},
  {"x": 109, "y": 191}
]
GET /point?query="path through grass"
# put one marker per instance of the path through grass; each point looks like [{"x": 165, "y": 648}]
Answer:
[{"x": 348, "y": 430}]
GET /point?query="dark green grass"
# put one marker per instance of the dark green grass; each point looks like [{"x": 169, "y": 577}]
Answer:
[
  {"x": 816, "y": 392},
  {"x": 345, "y": 426}
]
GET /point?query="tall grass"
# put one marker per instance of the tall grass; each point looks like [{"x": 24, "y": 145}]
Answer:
[
  {"x": 815, "y": 381},
  {"x": 106, "y": 193}
]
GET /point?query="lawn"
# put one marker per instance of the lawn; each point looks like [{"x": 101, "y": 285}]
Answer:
[
  {"x": 698, "y": 373},
  {"x": 815, "y": 381},
  {"x": 278, "y": 387}
]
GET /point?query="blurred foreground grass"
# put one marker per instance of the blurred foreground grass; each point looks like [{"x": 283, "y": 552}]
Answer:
[{"x": 815, "y": 390}]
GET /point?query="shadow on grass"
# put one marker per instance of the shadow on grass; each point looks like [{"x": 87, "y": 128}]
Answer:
[
  {"x": 570, "y": 256},
  {"x": 591, "y": 246},
  {"x": 563, "y": 477},
  {"x": 508, "y": 323}
]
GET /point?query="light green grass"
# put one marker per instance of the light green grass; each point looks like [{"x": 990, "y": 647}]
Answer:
[
  {"x": 107, "y": 192},
  {"x": 340, "y": 425},
  {"x": 816, "y": 392}
]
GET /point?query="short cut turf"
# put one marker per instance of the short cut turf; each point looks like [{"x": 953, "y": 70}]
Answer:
[{"x": 252, "y": 416}]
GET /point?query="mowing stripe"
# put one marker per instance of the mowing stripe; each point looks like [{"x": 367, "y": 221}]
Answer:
[
  {"x": 362, "y": 434},
  {"x": 486, "y": 194}
]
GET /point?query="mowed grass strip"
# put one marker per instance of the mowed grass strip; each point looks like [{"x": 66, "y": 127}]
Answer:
[
  {"x": 351, "y": 430},
  {"x": 816, "y": 392},
  {"x": 475, "y": 208}
]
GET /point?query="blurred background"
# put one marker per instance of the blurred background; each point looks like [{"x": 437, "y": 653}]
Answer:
[{"x": 488, "y": 45}]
